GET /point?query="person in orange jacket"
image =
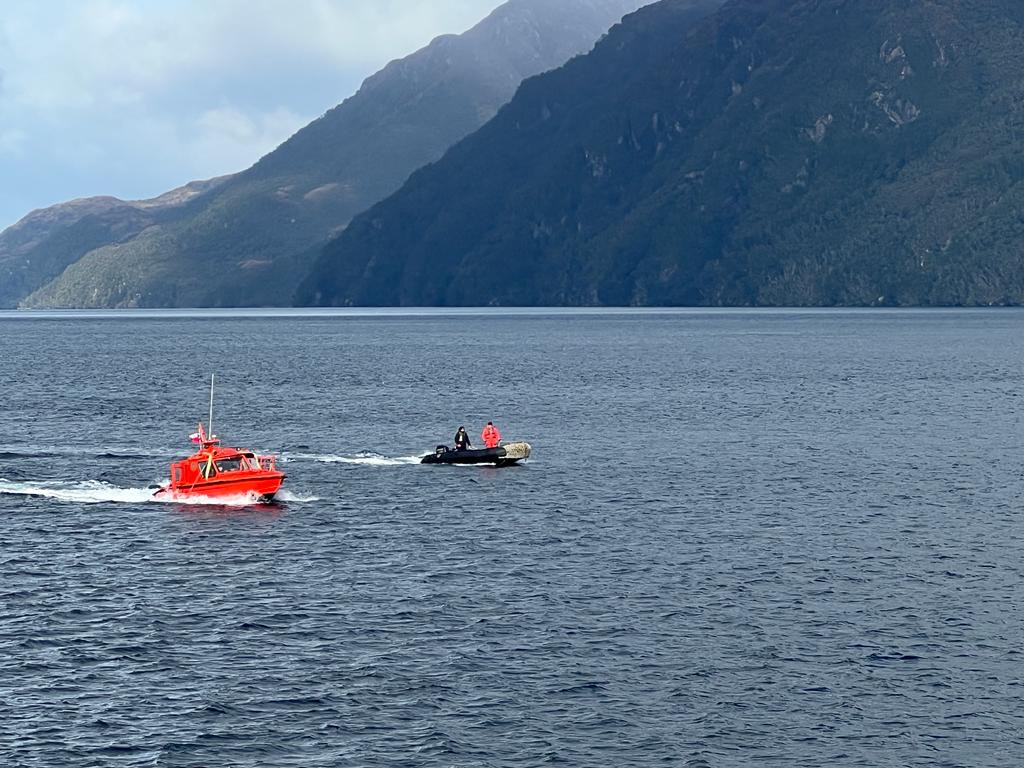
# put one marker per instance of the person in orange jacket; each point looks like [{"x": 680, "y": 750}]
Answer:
[{"x": 491, "y": 436}]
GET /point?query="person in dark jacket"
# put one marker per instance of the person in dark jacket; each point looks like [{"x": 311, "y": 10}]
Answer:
[{"x": 462, "y": 440}]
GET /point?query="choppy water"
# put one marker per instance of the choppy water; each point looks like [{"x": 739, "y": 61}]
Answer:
[{"x": 745, "y": 538}]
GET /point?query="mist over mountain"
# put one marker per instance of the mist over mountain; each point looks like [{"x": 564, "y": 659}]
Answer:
[
  {"x": 770, "y": 152},
  {"x": 249, "y": 239}
]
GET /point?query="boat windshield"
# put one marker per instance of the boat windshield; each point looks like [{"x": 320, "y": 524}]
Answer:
[
  {"x": 232, "y": 464},
  {"x": 241, "y": 462}
]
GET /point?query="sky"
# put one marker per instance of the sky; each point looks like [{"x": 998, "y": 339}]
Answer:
[{"x": 133, "y": 98}]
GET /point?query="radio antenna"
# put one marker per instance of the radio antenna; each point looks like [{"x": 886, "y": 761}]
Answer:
[{"x": 212, "y": 375}]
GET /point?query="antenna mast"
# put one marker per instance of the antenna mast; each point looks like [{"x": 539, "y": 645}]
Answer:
[{"x": 212, "y": 375}]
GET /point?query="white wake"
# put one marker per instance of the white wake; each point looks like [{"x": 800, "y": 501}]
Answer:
[
  {"x": 286, "y": 495},
  {"x": 96, "y": 492},
  {"x": 366, "y": 459},
  {"x": 88, "y": 492}
]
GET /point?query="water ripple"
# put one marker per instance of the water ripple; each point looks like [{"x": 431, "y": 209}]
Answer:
[{"x": 744, "y": 539}]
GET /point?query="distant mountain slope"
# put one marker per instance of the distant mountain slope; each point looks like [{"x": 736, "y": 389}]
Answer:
[
  {"x": 251, "y": 241},
  {"x": 802, "y": 152},
  {"x": 42, "y": 245}
]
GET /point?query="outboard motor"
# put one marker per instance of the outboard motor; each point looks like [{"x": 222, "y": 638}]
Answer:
[{"x": 441, "y": 450}]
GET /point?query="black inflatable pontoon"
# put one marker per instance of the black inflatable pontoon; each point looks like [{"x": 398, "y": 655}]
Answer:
[{"x": 502, "y": 456}]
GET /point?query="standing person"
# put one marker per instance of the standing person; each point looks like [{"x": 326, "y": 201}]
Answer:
[
  {"x": 462, "y": 440},
  {"x": 491, "y": 436}
]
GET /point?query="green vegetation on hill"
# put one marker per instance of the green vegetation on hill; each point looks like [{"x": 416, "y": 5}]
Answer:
[
  {"x": 819, "y": 152},
  {"x": 42, "y": 245},
  {"x": 250, "y": 241}
]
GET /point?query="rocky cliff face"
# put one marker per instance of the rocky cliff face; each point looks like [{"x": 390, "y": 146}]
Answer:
[
  {"x": 797, "y": 152},
  {"x": 251, "y": 240}
]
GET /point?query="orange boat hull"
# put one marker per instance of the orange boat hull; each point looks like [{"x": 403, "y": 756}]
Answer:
[
  {"x": 217, "y": 472},
  {"x": 264, "y": 486}
]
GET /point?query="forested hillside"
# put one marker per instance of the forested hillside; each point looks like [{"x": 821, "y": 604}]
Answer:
[{"x": 777, "y": 152}]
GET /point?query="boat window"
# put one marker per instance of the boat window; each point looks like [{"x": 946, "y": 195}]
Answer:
[
  {"x": 230, "y": 465},
  {"x": 177, "y": 474},
  {"x": 249, "y": 461}
]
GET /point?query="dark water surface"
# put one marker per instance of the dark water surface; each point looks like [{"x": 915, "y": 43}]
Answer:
[{"x": 745, "y": 538}]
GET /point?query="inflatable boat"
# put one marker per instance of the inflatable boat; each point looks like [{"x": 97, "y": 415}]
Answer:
[{"x": 502, "y": 456}]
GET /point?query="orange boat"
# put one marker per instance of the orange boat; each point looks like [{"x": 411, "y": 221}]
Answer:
[{"x": 216, "y": 472}]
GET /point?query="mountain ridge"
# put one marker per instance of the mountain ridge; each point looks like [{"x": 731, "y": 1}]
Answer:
[
  {"x": 264, "y": 225},
  {"x": 818, "y": 152}
]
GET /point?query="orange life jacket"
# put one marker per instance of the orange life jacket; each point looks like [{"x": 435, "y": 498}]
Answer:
[{"x": 491, "y": 436}]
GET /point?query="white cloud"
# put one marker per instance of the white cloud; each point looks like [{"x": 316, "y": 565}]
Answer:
[
  {"x": 225, "y": 140},
  {"x": 89, "y": 53},
  {"x": 133, "y": 97}
]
